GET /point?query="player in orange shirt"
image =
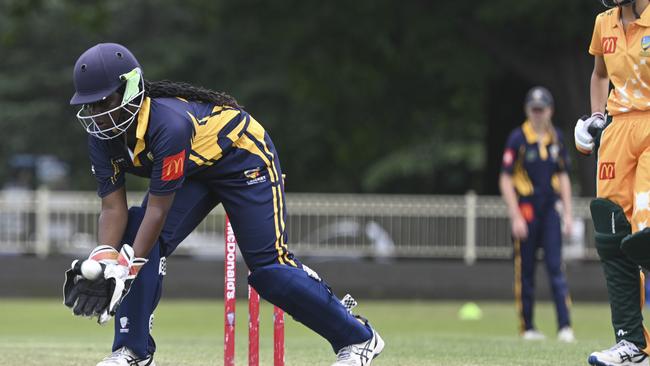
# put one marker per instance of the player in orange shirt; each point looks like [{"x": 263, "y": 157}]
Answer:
[{"x": 621, "y": 212}]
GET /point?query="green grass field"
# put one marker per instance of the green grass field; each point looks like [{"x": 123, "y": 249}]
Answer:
[{"x": 44, "y": 332}]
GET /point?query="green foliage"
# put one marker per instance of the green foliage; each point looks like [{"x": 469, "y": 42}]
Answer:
[{"x": 357, "y": 96}]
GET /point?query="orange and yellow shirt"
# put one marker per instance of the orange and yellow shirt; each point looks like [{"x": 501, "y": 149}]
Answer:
[{"x": 626, "y": 56}]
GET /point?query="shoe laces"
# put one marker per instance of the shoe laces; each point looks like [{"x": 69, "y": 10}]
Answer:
[
  {"x": 624, "y": 347},
  {"x": 354, "y": 352}
]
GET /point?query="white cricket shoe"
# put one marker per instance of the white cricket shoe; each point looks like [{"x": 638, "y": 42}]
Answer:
[
  {"x": 623, "y": 353},
  {"x": 533, "y": 335},
  {"x": 125, "y": 357},
  {"x": 566, "y": 335},
  {"x": 360, "y": 354}
]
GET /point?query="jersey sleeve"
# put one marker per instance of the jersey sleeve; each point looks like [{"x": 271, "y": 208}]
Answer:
[
  {"x": 510, "y": 153},
  {"x": 171, "y": 148},
  {"x": 596, "y": 46},
  {"x": 107, "y": 170}
]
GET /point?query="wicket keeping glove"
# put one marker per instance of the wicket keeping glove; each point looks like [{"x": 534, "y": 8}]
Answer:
[
  {"x": 586, "y": 129},
  {"x": 84, "y": 296},
  {"x": 101, "y": 297},
  {"x": 120, "y": 277}
]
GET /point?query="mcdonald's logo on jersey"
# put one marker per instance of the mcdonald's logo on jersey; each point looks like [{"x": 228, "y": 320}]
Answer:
[
  {"x": 527, "y": 211},
  {"x": 609, "y": 44},
  {"x": 606, "y": 171},
  {"x": 173, "y": 166},
  {"x": 508, "y": 157}
]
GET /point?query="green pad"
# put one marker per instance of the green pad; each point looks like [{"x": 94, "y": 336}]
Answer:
[
  {"x": 621, "y": 273},
  {"x": 637, "y": 247},
  {"x": 610, "y": 226}
]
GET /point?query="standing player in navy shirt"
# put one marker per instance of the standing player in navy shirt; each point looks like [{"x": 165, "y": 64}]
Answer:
[
  {"x": 199, "y": 148},
  {"x": 533, "y": 178}
]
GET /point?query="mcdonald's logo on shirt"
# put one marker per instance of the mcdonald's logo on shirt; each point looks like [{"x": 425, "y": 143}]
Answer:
[
  {"x": 508, "y": 157},
  {"x": 609, "y": 44},
  {"x": 173, "y": 166},
  {"x": 527, "y": 211},
  {"x": 606, "y": 171}
]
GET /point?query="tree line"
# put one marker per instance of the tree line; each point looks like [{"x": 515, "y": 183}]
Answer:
[{"x": 362, "y": 96}]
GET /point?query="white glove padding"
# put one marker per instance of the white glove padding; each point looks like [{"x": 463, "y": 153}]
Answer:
[
  {"x": 104, "y": 254},
  {"x": 585, "y": 130},
  {"x": 101, "y": 297},
  {"x": 120, "y": 276}
]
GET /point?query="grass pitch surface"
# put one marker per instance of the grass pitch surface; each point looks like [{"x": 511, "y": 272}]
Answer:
[{"x": 190, "y": 333}]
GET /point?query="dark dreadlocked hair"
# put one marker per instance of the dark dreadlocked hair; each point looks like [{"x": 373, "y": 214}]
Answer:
[{"x": 173, "y": 89}]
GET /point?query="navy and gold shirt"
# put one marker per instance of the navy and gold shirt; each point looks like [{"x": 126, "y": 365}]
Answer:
[
  {"x": 534, "y": 163},
  {"x": 176, "y": 139}
]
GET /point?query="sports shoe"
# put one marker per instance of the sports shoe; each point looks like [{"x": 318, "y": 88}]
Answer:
[
  {"x": 360, "y": 354},
  {"x": 125, "y": 357},
  {"x": 533, "y": 335},
  {"x": 623, "y": 353},
  {"x": 565, "y": 334}
]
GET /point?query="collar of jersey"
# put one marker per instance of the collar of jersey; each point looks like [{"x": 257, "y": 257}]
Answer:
[
  {"x": 644, "y": 21},
  {"x": 143, "y": 122},
  {"x": 530, "y": 134}
]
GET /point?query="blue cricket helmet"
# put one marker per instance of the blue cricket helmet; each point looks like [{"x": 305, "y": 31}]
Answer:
[
  {"x": 97, "y": 72},
  {"x": 539, "y": 97}
]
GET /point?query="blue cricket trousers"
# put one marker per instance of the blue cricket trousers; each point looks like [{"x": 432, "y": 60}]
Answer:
[
  {"x": 253, "y": 197},
  {"x": 544, "y": 231}
]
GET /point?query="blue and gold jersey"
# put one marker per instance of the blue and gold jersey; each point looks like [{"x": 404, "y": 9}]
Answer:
[
  {"x": 178, "y": 139},
  {"x": 534, "y": 163}
]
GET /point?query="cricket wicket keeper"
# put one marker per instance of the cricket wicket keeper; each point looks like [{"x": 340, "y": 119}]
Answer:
[{"x": 199, "y": 148}]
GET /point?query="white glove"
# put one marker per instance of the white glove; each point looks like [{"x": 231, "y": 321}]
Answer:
[
  {"x": 85, "y": 296},
  {"x": 104, "y": 254},
  {"x": 120, "y": 276},
  {"x": 101, "y": 297},
  {"x": 585, "y": 131}
]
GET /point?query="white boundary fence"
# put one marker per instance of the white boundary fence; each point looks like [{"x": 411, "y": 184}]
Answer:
[{"x": 466, "y": 227}]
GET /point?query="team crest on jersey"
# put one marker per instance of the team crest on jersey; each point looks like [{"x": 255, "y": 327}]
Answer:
[
  {"x": 255, "y": 176},
  {"x": 252, "y": 173},
  {"x": 531, "y": 155},
  {"x": 645, "y": 42},
  {"x": 645, "y": 47},
  {"x": 609, "y": 44}
]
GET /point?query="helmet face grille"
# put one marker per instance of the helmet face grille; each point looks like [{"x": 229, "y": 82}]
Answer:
[{"x": 127, "y": 108}]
